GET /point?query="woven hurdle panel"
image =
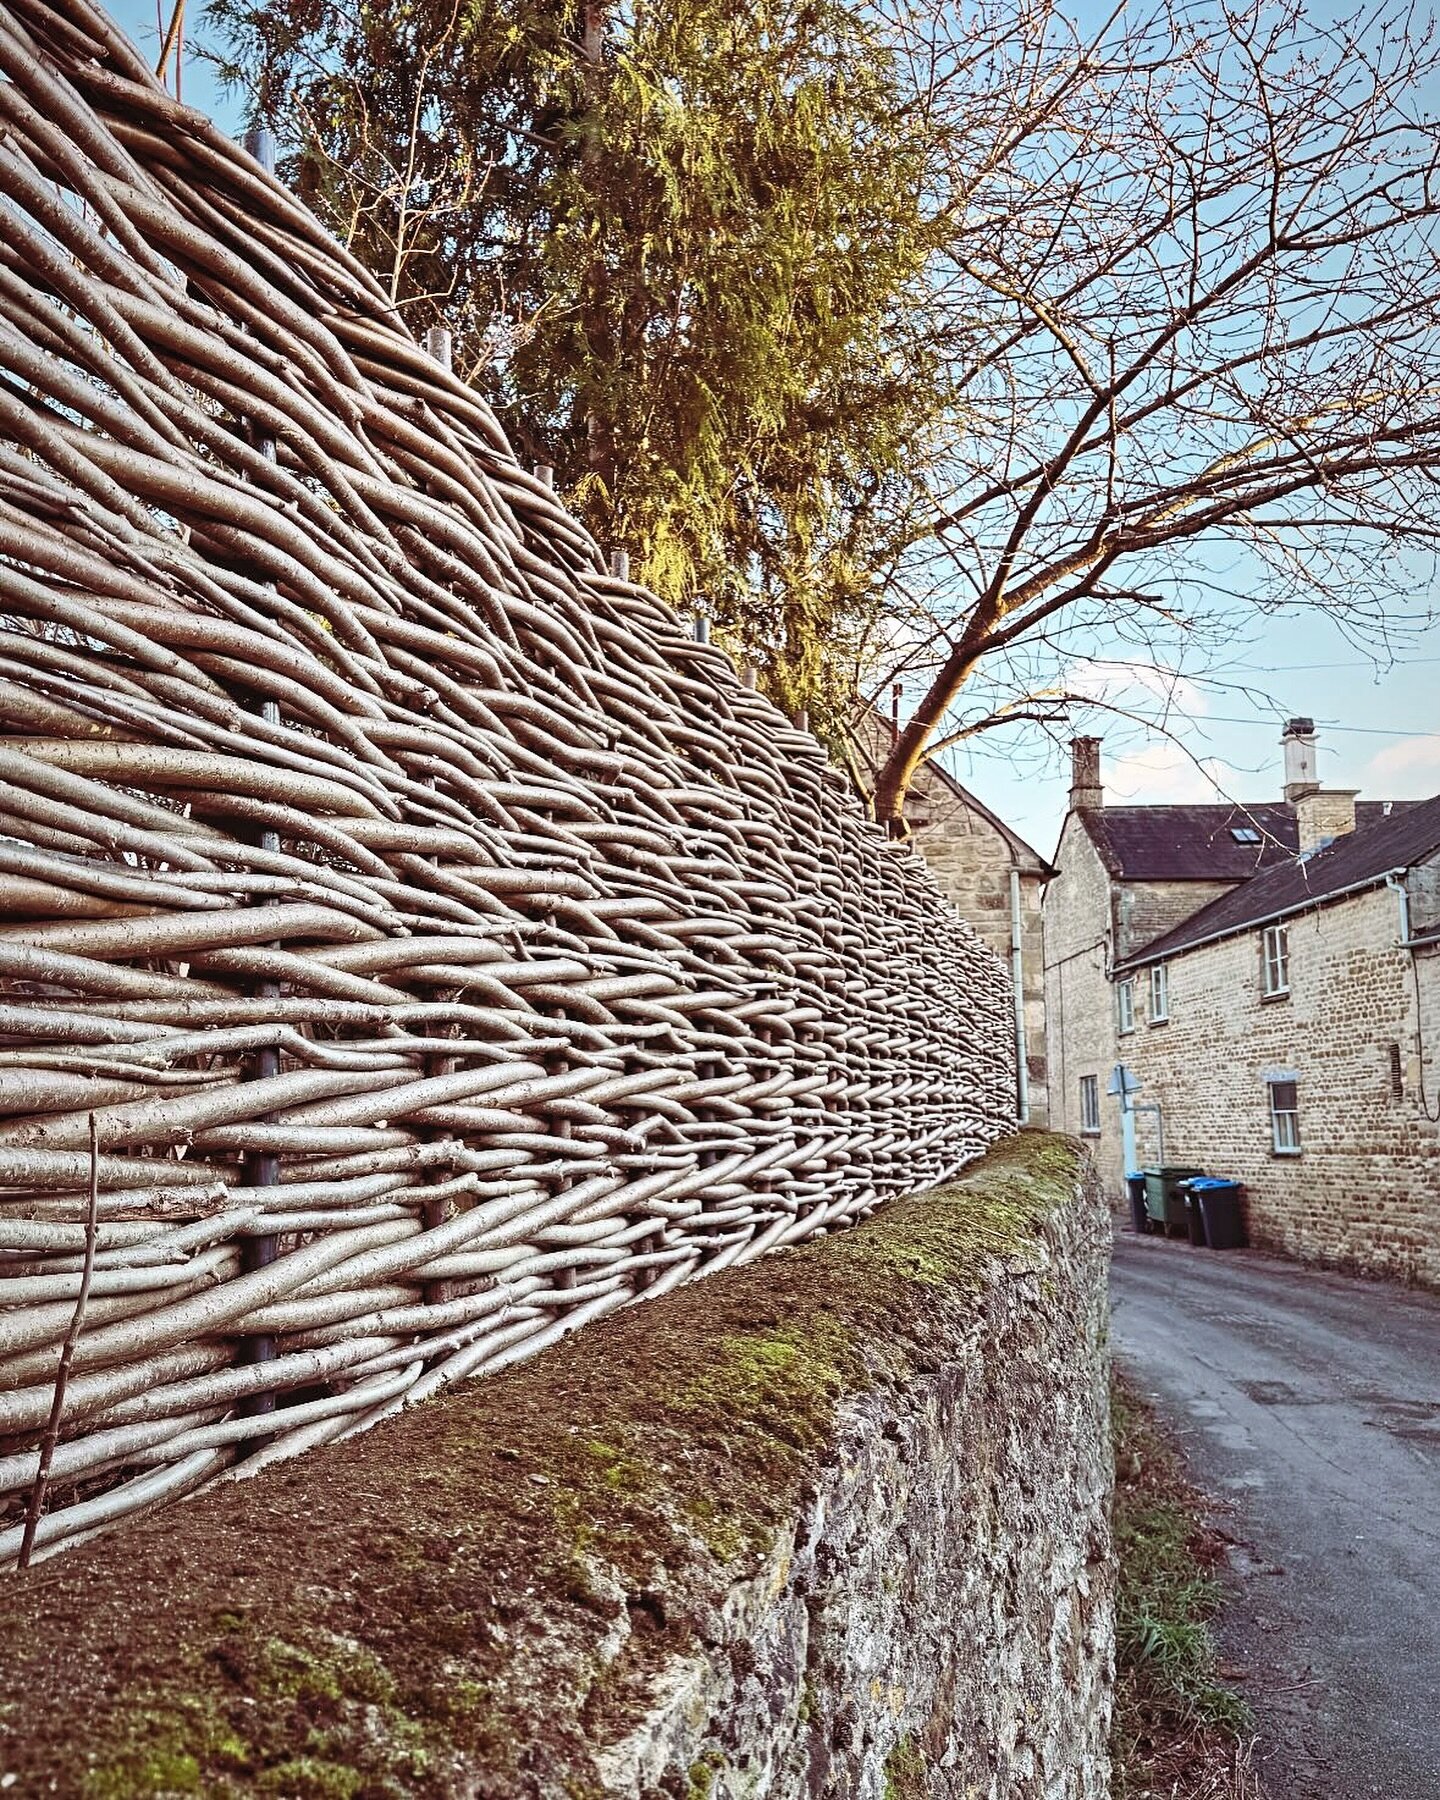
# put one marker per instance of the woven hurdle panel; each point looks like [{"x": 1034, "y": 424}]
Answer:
[{"x": 449, "y": 948}]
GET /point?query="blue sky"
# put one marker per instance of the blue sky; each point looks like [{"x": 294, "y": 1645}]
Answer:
[
  {"x": 1379, "y": 726},
  {"x": 198, "y": 88},
  {"x": 1379, "y": 730}
]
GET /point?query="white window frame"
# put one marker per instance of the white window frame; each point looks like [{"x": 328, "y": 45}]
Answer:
[
  {"x": 1275, "y": 961},
  {"x": 1159, "y": 993},
  {"x": 1125, "y": 1005},
  {"x": 1089, "y": 1106},
  {"x": 1284, "y": 1120}
]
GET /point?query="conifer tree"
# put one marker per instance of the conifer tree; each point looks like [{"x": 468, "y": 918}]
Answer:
[{"x": 682, "y": 246}]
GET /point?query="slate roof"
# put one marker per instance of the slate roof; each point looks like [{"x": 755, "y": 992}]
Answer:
[
  {"x": 1197, "y": 843},
  {"x": 1361, "y": 858}
]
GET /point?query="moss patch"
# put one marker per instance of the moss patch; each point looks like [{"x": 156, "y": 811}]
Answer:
[
  {"x": 492, "y": 1580},
  {"x": 905, "y": 1772}
]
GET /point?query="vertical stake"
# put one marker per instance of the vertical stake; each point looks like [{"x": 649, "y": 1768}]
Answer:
[
  {"x": 261, "y": 1167},
  {"x": 67, "y": 1351}
]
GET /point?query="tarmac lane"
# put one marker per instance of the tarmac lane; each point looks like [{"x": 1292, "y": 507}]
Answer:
[{"x": 1309, "y": 1404}]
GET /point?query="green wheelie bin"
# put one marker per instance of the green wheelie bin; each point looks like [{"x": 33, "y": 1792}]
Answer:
[{"x": 1164, "y": 1201}]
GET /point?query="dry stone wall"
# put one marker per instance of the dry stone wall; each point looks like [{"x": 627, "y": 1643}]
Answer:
[{"x": 833, "y": 1527}]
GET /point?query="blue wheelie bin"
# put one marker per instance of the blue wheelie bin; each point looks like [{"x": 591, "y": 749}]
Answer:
[
  {"x": 1194, "y": 1217},
  {"x": 1220, "y": 1210}
]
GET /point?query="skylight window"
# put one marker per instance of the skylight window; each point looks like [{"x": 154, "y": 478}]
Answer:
[{"x": 1245, "y": 834}]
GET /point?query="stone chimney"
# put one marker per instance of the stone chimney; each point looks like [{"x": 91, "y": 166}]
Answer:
[
  {"x": 1085, "y": 789},
  {"x": 1298, "y": 741},
  {"x": 1323, "y": 814}
]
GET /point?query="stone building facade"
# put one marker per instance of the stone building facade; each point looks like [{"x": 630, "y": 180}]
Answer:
[
  {"x": 1123, "y": 876},
  {"x": 993, "y": 879},
  {"x": 1361, "y": 1185},
  {"x": 1283, "y": 1024}
]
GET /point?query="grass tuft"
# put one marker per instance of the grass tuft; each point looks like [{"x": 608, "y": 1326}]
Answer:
[{"x": 1179, "y": 1731}]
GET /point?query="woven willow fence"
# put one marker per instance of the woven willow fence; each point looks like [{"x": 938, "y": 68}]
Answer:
[{"x": 449, "y": 948}]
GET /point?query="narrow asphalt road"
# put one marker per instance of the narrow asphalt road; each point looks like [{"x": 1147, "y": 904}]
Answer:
[{"x": 1310, "y": 1405}]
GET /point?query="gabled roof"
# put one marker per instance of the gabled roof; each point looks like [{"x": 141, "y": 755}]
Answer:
[
  {"x": 872, "y": 735},
  {"x": 1029, "y": 859},
  {"x": 1199, "y": 843},
  {"x": 1360, "y": 859}
]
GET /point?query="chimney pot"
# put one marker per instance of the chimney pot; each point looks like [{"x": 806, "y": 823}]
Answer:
[
  {"x": 1298, "y": 742},
  {"x": 1085, "y": 788}
]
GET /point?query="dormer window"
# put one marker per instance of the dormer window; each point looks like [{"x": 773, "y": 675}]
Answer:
[{"x": 1245, "y": 834}]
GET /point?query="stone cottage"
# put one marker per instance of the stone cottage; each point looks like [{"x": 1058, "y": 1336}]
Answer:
[
  {"x": 1270, "y": 974},
  {"x": 993, "y": 879}
]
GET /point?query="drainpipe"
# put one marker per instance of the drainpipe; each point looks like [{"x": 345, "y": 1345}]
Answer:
[
  {"x": 1402, "y": 894},
  {"x": 1017, "y": 979}
]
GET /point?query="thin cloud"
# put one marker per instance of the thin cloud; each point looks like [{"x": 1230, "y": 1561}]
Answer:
[
  {"x": 1408, "y": 769},
  {"x": 1144, "y": 688},
  {"x": 1163, "y": 774}
]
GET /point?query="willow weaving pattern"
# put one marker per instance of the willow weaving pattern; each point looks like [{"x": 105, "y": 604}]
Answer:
[{"x": 450, "y": 949}]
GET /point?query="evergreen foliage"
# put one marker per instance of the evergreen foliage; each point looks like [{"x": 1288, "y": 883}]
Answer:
[{"x": 682, "y": 247}]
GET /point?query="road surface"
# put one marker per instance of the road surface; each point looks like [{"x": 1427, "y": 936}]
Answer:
[{"x": 1310, "y": 1404}]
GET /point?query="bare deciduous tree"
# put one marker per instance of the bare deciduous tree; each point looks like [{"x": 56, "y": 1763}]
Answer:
[{"x": 1192, "y": 299}]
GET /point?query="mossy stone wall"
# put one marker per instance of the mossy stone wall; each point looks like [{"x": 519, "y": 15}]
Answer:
[{"x": 830, "y": 1525}]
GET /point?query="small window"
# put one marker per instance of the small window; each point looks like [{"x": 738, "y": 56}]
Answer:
[
  {"x": 1159, "y": 993},
  {"x": 1284, "y": 1118},
  {"x": 1275, "y": 961},
  {"x": 1245, "y": 834},
  {"x": 1125, "y": 1005},
  {"x": 1090, "y": 1106}
]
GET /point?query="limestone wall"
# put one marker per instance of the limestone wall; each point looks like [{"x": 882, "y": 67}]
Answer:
[
  {"x": 971, "y": 861},
  {"x": 1147, "y": 909},
  {"x": 1364, "y": 1191},
  {"x": 1079, "y": 1000},
  {"x": 836, "y": 1529},
  {"x": 972, "y": 855}
]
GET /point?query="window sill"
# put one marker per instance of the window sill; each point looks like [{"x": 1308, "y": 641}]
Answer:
[
  {"x": 1279, "y": 994},
  {"x": 1164, "y": 1019},
  {"x": 1085, "y": 1133},
  {"x": 1287, "y": 1155}
]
